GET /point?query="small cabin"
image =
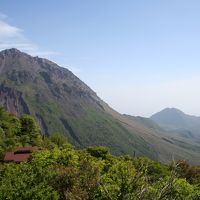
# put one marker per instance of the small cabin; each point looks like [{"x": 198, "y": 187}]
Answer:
[{"x": 19, "y": 155}]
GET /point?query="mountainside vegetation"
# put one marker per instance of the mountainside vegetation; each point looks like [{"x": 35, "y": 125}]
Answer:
[{"x": 59, "y": 171}]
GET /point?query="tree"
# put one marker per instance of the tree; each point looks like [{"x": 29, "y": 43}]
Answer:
[
  {"x": 30, "y": 133},
  {"x": 59, "y": 139},
  {"x": 26, "y": 181},
  {"x": 98, "y": 152}
]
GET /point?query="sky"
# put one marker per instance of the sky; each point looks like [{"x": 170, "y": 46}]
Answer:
[{"x": 139, "y": 56}]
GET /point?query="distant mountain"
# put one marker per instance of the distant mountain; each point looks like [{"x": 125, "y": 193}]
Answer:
[
  {"x": 61, "y": 102},
  {"x": 174, "y": 120}
]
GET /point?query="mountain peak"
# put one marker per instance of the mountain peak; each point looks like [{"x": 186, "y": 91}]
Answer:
[
  {"x": 13, "y": 52},
  {"x": 169, "y": 117},
  {"x": 172, "y": 110},
  {"x": 10, "y": 51},
  {"x": 172, "y": 119}
]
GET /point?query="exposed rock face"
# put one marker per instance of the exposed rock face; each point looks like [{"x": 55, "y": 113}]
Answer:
[
  {"x": 42, "y": 124},
  {"x": 13, "y": 101}
]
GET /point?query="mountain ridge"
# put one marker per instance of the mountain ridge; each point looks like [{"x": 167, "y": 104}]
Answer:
[{"x": 61, "y": 102}]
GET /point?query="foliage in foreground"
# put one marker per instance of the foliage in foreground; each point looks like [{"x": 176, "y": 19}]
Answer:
[
  {"x": 66, "y": 173},
  {"x": 60, "y": 172}
]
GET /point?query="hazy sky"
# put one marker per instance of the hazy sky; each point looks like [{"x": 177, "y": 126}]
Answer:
[{"x": 139, "y": 56}]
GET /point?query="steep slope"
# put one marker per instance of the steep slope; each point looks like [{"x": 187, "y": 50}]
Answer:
[
  {"x": 174, "y": 120},
  {"x": 63, "y": 103}
]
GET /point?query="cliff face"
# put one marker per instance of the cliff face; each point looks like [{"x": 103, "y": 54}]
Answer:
[
  {"x": 13, "y": 101},
  {"x": 61, "y": 102}
]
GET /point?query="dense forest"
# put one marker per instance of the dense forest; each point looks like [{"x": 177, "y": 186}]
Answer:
[{"x": 59, "y": 171}]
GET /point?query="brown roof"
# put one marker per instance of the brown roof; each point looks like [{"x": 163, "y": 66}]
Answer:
[
  {"x": 9, "y": 156},
  {"x": 19, "y": 155}
]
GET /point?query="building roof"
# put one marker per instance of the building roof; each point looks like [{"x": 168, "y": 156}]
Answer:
[
  {"x": 19, "y": 155},
  {"x": 9, "y": 156}
]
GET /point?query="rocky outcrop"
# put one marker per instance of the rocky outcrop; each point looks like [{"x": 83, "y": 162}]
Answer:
[
  {"x": 70, "y": 130},
  {"x": 42, "y": 124},
  {"x": 13, "y": 101}
]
